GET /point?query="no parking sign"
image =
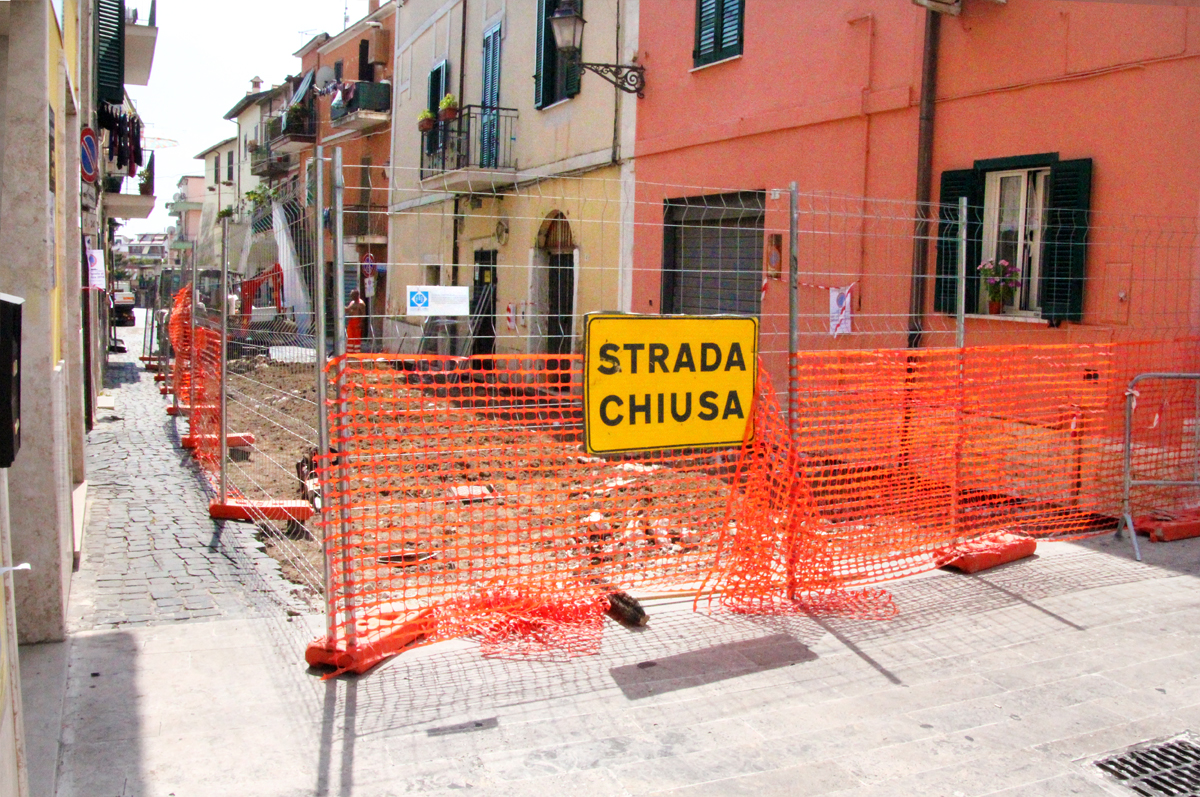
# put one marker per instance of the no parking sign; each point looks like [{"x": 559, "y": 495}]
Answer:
[{"x": 89, "y": 155}]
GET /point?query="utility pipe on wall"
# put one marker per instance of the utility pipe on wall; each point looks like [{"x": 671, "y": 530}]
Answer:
[{"x": 916, "y": 299}]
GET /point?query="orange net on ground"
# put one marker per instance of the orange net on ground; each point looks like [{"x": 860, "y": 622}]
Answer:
[{"x": 461, "y": 501}]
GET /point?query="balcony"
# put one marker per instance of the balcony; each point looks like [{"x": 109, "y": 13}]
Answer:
[
  {"x": 365, "y": 224},
  {"x": 266, "y": 163},
  {"x": 370, "y": 107},
  {"x": 120, "y": 205},
  {"x": 294, "y": 131},
  {"x": 472, "y": 153},
  {"x": 140, "y": 41}
]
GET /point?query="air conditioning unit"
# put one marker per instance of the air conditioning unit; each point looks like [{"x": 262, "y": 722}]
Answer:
[{"x": 952, "y": 7}]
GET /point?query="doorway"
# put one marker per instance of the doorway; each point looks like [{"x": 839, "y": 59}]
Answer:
[
  {"x": 483, "y": 303},
  {"x": 556, "y": 287}
]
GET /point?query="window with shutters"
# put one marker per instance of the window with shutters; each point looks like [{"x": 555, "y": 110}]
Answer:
[
  {"x": 489, "y": 123},
  {"x": 217, "y": 168},
  {"x": 229, "y": 166},
  {"x": 110, "y": 51},
  {"x": 1029, "y": 210},
  {"x": 557, "y": 77},
  {"x": 713, "y": 254},
  {"x": 439, "y": 85},
  {"x": 718, "y": 30}
]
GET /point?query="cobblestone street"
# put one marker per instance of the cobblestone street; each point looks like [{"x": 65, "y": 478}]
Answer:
[{"x": 151, "y": 552}]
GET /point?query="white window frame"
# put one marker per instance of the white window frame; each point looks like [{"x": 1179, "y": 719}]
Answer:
[{"x": 1027, "y": 299}]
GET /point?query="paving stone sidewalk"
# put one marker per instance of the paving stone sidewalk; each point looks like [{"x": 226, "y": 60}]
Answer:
[{"x": 151, "y": 553}]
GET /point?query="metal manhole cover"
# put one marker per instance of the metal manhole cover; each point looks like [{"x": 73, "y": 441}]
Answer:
[{"x": 1158, "y": 769}]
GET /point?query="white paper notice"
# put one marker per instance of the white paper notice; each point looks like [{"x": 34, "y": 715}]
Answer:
[
  {"x": 96, "y": 269},
  {"x": 438, "y": 300},
  {"x": 839, "y": 311}
]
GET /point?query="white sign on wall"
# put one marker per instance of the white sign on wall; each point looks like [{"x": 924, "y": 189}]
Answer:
[
  {"x": 438, "y": 300},
  {"x": 95, "y": 259}
]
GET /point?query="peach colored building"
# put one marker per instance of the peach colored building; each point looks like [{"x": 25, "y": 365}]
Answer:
[{"x": 1059, "y": 121}]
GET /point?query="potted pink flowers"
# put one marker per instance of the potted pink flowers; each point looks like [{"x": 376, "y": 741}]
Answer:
[{"x": 1002, "y": 280}]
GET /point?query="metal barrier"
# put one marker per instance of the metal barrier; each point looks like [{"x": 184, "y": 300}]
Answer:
[{"x": 1128, "y": 482}]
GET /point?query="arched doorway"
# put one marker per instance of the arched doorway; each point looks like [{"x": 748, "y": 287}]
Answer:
[{"x": 555, "y": 284}]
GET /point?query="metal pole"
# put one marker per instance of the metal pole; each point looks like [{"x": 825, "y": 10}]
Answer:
[
  {"x": 1127, "y": 476},
  {"x": 793, "y": 314},
  {"x": 960, "y": 326},
  {"x": 223, "y": 431},
  {"x": 339, "y": 350},
  {"x": 320, "y": 355},
  {"x": 960, "y": 322}
]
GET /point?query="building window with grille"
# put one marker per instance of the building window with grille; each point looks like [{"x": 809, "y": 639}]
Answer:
[
  {"x": 719, "y": 26},
  {"x": 713, "y": 254},
  {"x": 1031, "y": 211},
  {"x": 556, "y": 78}
]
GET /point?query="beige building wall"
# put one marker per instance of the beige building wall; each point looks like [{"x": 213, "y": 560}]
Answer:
[{"x": 572, "y": 158}]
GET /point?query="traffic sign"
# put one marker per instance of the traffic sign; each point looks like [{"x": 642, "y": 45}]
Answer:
[
  {"x": 89, "y": 155},
  {"x": 662, "y": 382},
  {"x": 369, "y": 269}
]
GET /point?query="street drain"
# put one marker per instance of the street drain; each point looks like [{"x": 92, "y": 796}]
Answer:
[{"x": 1159, "y": 769}]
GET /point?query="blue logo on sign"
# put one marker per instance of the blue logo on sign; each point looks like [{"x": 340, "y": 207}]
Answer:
[{"x": 418, "y": 299}]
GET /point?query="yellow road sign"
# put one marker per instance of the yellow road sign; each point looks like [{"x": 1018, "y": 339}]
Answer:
[{"x": 659, "y": 382}]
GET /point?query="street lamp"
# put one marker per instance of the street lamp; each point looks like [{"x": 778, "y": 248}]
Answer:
[{"x": 567, "y": 24}]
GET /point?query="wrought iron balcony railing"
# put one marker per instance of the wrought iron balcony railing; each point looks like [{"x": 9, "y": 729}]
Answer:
[{"x": 482, "y": 137}]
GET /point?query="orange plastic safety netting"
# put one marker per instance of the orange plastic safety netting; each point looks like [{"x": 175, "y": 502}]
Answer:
[
  {"x": 461, "y": 502},
  {"x": 179, "y": 330}
]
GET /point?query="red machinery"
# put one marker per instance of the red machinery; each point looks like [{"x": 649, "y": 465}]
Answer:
[{"x": 273, "y": 278}]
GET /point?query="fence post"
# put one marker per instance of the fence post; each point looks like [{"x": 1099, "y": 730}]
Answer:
[
  {"x": 223, "y": 431},
  {"x": 960, "y": 321},
  {"x": 319, "y": 355},
  {"x": 339, "y": 351},
  {"x": 793, "y": 314}
]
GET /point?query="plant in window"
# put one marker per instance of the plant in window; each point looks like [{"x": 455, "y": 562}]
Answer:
[
  {"x": 1001, "y": 280},
  {"x": 448, "y": 108},
  {"x": 426, "y": 120}
]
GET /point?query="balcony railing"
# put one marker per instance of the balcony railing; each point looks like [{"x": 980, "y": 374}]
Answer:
[
  {"x": 372, "y": 97},
  {"x": 365, "y": 220},
  {"x": 482, "y": 137},
  {"x": 293, "y": 130},
  {"x": 266, "y": 163}
]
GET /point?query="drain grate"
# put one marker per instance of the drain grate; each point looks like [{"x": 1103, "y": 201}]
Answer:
[{"x": 1161, "y": 769}]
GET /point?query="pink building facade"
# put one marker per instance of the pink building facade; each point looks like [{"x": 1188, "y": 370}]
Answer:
[{"x": 1062, "y": 123}]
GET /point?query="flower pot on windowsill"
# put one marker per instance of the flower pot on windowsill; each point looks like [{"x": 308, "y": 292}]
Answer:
[
  {"x": 426, "y": 125},
  {"x": 995, "y": 307},
  {"x": 448, "y": 114}
]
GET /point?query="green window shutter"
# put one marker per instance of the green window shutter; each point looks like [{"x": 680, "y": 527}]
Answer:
[
  {"x": 719, "y": 26},
  {"x": 540, "y": 92},
  {"x": 706, "y": 31},
  {"x": 956, "y": 184},
  {"x": 1064, "y": 247},
  {"x": 110, "y": 51},
  {"x": 572, "y": 77}
]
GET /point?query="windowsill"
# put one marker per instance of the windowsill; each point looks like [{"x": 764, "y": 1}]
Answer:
[
  {"x": 1020, "y": 319},
  {"x": 716, "y": 63},
  {"x": 557, "y": 103}
]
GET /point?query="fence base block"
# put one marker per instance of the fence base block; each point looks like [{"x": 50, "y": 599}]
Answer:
[
  {"x": 1168, "y": 528},
  {"x": 241, "y": 509},
  {"x": 157, "y": 377},
  {"x": 166, "y": 390},
  {"x": 991, "y": 551},
  {"x": 378, "y": 639},
  {"x": 233, "y": 439}
]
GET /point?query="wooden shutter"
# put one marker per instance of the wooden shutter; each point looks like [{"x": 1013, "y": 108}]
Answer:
[
  {"x": 1064, "y": 247},
  {"x": 956, "y": 184},
  {"x": 541, "y": 91},
  {"x": 439, "y": 79},
  {"x": 718, "y": 30},
  {"x": 572, "y": 78},
  {"x": 110, "y": 51},
  {"x": 491, "y": 68}
]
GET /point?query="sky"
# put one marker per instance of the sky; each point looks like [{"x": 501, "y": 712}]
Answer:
[{"x": 203, "y": 61}]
